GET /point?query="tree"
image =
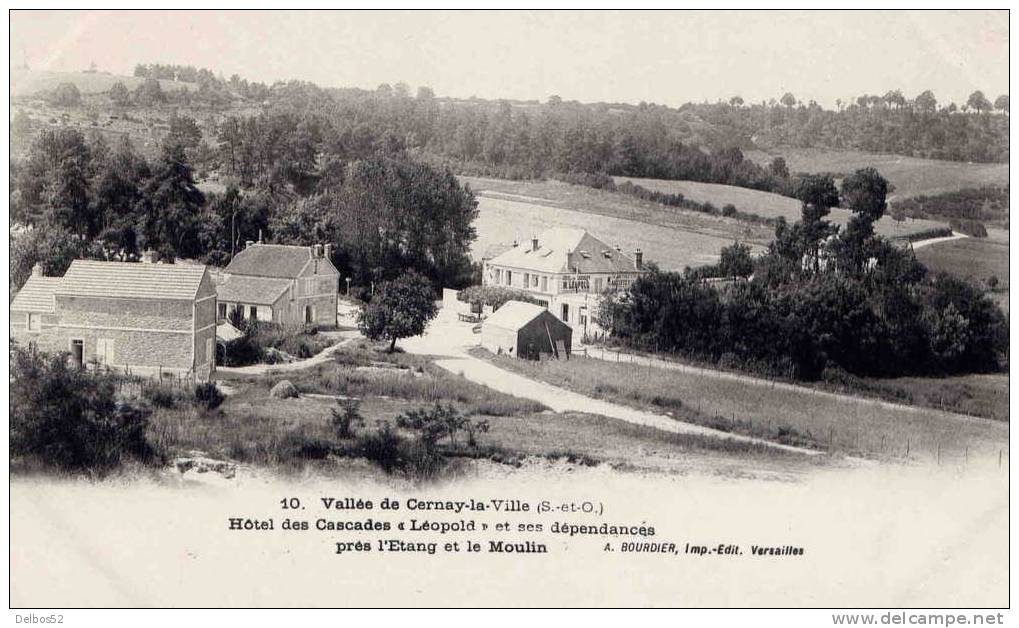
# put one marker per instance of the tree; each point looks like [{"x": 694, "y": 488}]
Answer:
[
  {"x": 925, "y": 102},
  {"x": 978, "y": 101},
  {"x": 736, "y": 101},
  {"x": 778, "y": 168},
  {"x": 864, "y": 193},
  {"x": 66, "y": 95},
  {"x": 788, "y": 100},
  {"x": 736, "y": 261},
  {"x": 169, "y": 207},
  {"x": 119, "y": 95},
  {"x": 399, "y": 309},
  {"x": 1001, "y": 103}
]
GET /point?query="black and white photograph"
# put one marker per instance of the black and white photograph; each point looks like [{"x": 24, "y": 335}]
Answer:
[{"x": 500, "y": 309}]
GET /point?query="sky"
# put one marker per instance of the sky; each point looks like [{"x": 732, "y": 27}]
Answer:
[{"x": 662, "y": 57}]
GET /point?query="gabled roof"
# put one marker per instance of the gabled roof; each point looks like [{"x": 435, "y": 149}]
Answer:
[
  {"x": 253, "y": 290},
  {"x": 564, "y": 250},
  {"x": 514, "y": 315},
  {"x": 131, "y": 280},
  {"x": 36, "y": 295},
  {"x": 270, "y": 260}
]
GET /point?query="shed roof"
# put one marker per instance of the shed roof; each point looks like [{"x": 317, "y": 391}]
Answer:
[
  {"x": 270, "y": 260},
  {"x": 36, "y": 295},
  {"x": 131, "y": 280},
  {"x": 254, "y": 290},
  {"x": 514, "y": 315},
  {"x": 563, "y": 250}
]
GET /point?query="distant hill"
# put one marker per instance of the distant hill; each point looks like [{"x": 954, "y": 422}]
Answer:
[{"x": 26, "y": 83}]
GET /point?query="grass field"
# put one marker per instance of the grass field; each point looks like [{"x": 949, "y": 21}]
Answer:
[
  {"x": 254, "y": 428},
  {"x": 976, "y": 259},
  {"x": 671, "y": 237},
  {"x": 910, "y": 175},
  {"x": 855, "y": 428},
  {"x": 769, "y": 205},
  {"x": 32, "y": 82}
]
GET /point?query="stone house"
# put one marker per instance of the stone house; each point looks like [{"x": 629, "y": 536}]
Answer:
[
  {"x": 290, "y": 285},
  {"x": 142, "y": 316}
]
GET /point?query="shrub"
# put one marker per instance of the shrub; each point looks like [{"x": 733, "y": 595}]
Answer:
[
  {"x": 208, "y": 395},
  {"x": 394, "y": 453},
  {"x": 70, "y": 418},
  {"x": 160, "y": 395},
  {"x": 346, "y": 418},
  {"x": 972, "y": 228}
]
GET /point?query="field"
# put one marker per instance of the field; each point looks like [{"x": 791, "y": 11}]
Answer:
[
  {"x": 253, "y": 428},
  {"x": 31, "y": 82},
  {"x": 872, "y": 430},
  {"x": 673, "y": 238},
  {"x": 770, "y": 205},
  {"x": 910, "y": 175},
  {"x": 977, "y": 259}
]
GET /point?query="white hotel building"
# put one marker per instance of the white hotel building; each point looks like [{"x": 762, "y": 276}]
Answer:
[{"x": 566, "y": 270}]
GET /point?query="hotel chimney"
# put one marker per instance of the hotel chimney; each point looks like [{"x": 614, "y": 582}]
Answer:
[
  {"x": 638, "y": 259},
  {"x": 37, "y": 270},
  {"x": 534, "y": 243}
]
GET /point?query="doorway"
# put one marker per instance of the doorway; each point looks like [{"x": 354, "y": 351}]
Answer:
[
  {"x": 78, "y": 352},
  {"x": 566, "y": 313},
  {"x": 309, "y": 314}
]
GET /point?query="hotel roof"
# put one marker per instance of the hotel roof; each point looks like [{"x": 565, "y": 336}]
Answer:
[{"x": 563, "y": 250}]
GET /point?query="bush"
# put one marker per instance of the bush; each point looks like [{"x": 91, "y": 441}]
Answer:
[
  {"x": 69, "y": 418},
  {"x": 493, "y": 296},
  {"x": 208, "y": 395},
  {"x": 346, "y": 418},
  {"x": 160, "y": 395},
  {"x": 972, "y": 228}
]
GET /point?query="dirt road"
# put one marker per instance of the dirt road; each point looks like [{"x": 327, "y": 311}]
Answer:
[{"x": 450, "y": 339}]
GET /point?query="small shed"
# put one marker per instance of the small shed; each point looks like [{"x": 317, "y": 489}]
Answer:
[{"x": 526, "y": 330}]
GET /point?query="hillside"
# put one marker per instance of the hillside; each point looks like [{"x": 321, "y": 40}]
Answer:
[
  {"x": 27, "y": 83},
  {"x": 770, "y": 205},
  {"x": 910, "y": 175}
]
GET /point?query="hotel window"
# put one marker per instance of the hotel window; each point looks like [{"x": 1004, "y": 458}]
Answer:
[
  {"x": 527, "y": 280},
  {"x": 34, "y": 322},
  {"x": 222, "y": 310},
  {"x": 509, "y": 277},
  {"x": 534, "y": 281},
  {"x": 544, "y": 284},
  {"x": 597, "y": 285}
]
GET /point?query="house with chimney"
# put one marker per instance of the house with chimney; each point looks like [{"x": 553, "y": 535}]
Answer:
[
  {"x": 289, "y": 285},
  {"x": 143, "y": 316},
  {"x": 565, "y": 271}
]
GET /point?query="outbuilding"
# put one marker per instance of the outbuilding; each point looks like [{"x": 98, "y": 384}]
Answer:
[{"x": 526, "y": 330}]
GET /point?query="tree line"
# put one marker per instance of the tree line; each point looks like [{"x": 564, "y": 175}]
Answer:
[
  {"x": 76, "y": 196},
  {"x": 821, "y": 303}
]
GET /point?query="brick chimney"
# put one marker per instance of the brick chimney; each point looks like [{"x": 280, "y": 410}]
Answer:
[
  {"x": 37, "y": 270},
  {"x": 534, "y": 243},
  {"x": 638, "y": 259},
  {"x": 149, "y": 256},
  {"x": 328, "y": 252},
  {"x": 248, "y": 243}
]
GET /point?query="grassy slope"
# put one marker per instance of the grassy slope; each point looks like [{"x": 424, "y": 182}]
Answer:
[
  {"x": 671, "y": 237},
  {"x": 910, "y": 175},
  {"x": 31, "y": 82},
  {"x": 769, "y": 205},
  {"x": 976, "y": 259},
  {"x": 854, "y": 428},
  {"x": 254, "y": 428}
]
